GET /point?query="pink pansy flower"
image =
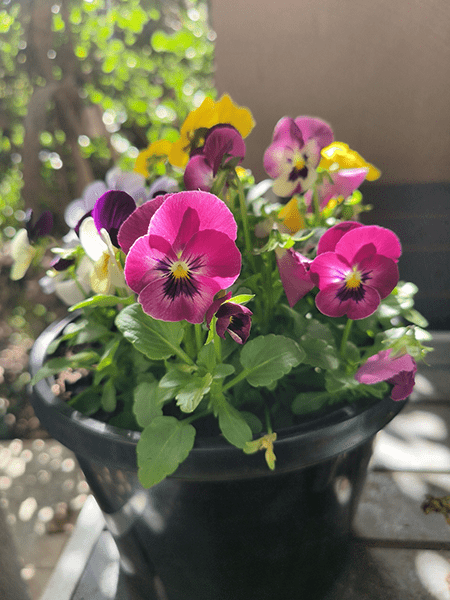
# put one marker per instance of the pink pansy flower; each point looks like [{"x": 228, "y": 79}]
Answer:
[
  {"x": 294, "y": 274},
  {"x": 222, "y": 143},
  {"x": 360, "y": 271},
  {"x": 400, "y": 371},
  {"x": 294, "y": 154},
  {"x": 343, "y": 183},
  {"x": 187, "y": 256}
]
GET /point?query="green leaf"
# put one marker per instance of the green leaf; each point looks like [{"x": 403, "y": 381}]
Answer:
[
  {"x": 158, "y": 340},
  {"x": 164, "y": 444},
  {"x": 109, "y": 396},
  {"x": 191, "y": 395},
  {"x": 207, "y": 357},
  {"x": 102, "y": 300},
  {"x": 268, "y": 358},
  {"x": 319, "y": 353},
  {"x": 146, "y": 405},
  {"x": 223, "y": 370},
  {"x": 307, "y": 402},
  {"x": 87, "y": 402},
  {"x": 232, "y": 423}
]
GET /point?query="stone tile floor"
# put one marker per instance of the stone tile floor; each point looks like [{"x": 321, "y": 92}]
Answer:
[{"x": 399, "y": 552}]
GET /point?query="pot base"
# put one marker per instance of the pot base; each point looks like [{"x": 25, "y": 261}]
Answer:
[{"x": 264, "y": 538}]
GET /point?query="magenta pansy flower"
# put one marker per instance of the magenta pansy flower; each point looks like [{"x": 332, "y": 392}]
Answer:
[
  {"x": 358, "y": 273},
  {"x": 294, "y": 154},
  {"x": 399, "y": 371},
  {"x": 222, "y": 143},
  {"x": 188, "y": 255},
  {"x": 343, "y": 183},
  {"x": 111, "y": 210},
  {"x": 294, "y": 274},
  {"x": 231, "y": 317}
]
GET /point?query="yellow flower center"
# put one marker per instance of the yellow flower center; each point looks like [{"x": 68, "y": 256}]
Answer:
[
  {"x": 353, "y": 279},
  {"x": 299, "y": 163},
  {"x": 179, "y": 270}
]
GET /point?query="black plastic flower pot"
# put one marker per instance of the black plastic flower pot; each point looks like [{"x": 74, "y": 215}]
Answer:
[{"x": 225, "y": 527}]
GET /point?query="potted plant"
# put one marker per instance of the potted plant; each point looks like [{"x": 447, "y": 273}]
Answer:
[{"x": 231, "y": 351}]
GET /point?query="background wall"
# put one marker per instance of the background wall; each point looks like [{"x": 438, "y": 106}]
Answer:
[{"x": 378, "y": 71}]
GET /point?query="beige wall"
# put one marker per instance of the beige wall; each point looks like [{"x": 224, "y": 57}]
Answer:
[{"x": 377, "y": 70}]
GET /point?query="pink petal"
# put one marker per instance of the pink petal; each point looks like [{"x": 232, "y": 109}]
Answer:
[
  {"x": 212, "y": 212},
  {"x": 328, "y": 269},
  {"x": 316, "y": 129},
  {"x": 188, "y": 228},
  {"x": 221, "y": 258},
  {"x": 383, "y": 274},
  {"x": 384, "y": 240},
  {"x": 198, "y": 174},
  {"x": 330, "y": 238},
  {"x": 343, "y": 183},
  {"x": 136, "y": 225},
  {"x": 142, "y": 258},
  {"x": 294, "y": 274},
  {"x": 329, "y": 304},
  {"x": 155, "y": 303},
  {"x": 398, "y": 371}
]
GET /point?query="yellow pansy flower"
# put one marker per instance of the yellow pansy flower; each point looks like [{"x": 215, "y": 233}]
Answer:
[
  {"x": 338, "y": 156},
  {"x": 208, "y": 114},
  {"x": 291, "y": 216},
  {"x": 158, "y": 150}
]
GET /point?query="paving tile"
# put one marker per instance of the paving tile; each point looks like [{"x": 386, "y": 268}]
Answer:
[
  {"x": 418, "y": 439},
  {"x": 393, "y": 574},
  {"x": 390, "y": 509},
  {"x": 41, "y": 492}
]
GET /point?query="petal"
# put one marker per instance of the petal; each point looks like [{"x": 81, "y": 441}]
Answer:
[
  {"x": 384, "y": 240},
  {"x": 220, "y": 256},
  {"x": 315, "y": 129},
  {"x": 330, "y": 238},
  {"x": 329, "y": 269},
  {"x": 382, "y": 274},
  {"x": 111, "y": 210},
  {"x": 343, "y": 183},
  {"x": 294, "y": 275},
  {"x": 74, "y": 212},
  {"x": 382, "y": 367},
  {"x": 192, "y": 309},
  {"x": 142, "y": 259},
  {"x": 92, "y": 193},
  {"x": 91, "y": 240},
  {"x": 161, "y": 186},
  {"x": 220, "y": 142},
  {"x": 213, "y": 214},
  {"x": 198, "y": 174},
  {"x": 328, "y": 302},
  {"x": 22, "y": 254},
  {"x": 233, "y": 114},
  {"x": 188, "y": 228},
  {"x": 137, "y": 224}
]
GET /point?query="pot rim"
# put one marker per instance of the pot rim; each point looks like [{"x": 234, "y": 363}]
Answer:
[{"x": 316, "y": 439}]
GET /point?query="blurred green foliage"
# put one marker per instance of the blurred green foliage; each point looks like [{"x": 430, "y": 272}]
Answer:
[{"x": 137, "y": 68}]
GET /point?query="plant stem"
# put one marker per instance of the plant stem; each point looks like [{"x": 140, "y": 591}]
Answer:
[
  {"x": 268, "y": 420},
  {"x": 345, "y": 335},
  {"x": 242, "y": 375},
  {"x": 316, "y": 206},
  {"x": 244, "y": 218},
  {"x": 198, "y": 336}
]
